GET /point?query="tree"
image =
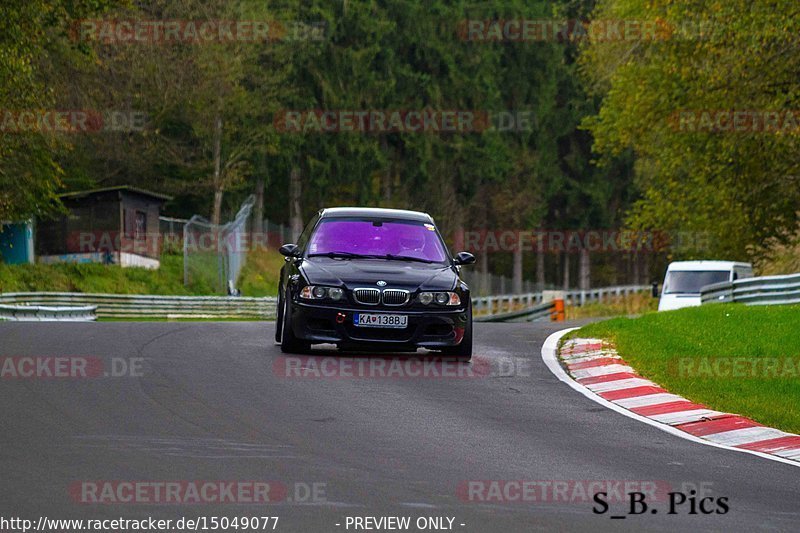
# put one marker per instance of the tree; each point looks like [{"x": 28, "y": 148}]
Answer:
[
  {"x": 208, "y": 106},
  {"x": 31, "y": 33},
  {"x": 740, "y": 184}
]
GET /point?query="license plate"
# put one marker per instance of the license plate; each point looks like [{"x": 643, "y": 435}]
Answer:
[{"x": 370, "y": 320}]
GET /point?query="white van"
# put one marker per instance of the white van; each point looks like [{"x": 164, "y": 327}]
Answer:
[{"x": 684, "y": 280}]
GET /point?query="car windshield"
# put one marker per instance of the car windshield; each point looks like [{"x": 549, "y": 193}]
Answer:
[
  {"x": 403, "y": 239},
  {"x": 690, "y": 282}
]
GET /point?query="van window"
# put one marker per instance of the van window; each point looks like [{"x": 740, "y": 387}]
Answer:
[{"x": 690, "y": 282}]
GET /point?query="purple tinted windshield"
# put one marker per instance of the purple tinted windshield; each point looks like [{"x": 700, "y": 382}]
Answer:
[{"x": 367, "y": 237}]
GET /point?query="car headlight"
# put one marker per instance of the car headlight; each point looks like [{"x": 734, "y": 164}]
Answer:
[
  {"x": 441, "y": 298},
  {"x": 318, "y": 292},
  {"x": 335, "y": 293}
]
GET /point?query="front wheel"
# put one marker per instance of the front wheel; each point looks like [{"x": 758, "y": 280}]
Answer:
[
  {"x": 289, "y": 342},
  {"x": 279, "y": 320},
  {"x": 463, "y": 352}
]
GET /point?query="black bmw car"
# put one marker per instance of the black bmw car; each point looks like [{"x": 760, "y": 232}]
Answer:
[{"x": 380, "y": 279}]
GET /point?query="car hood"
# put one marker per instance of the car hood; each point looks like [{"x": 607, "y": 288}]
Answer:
[{"x": 367, "y": 272}]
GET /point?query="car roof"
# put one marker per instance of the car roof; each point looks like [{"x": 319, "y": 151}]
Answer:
[
  {"x": 375, "y": 212},
  {"x": 680, "y": 266}
]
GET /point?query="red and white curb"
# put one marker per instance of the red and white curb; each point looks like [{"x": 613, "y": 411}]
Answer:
[{"x": 600, "y": 374}]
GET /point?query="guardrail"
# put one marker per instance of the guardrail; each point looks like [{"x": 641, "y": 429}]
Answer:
[
  {"x": 146, "y": 306},
  {"x": 38, "y": 313},
  {"x": 537, "y": 312},
  {"x": 604, "y": 294},
  {"x": 767, "y": 290},
  {"x": 485, "y": 306},
  {"x": 510, "y": 304},
  {"x": 489, "y": 308}
]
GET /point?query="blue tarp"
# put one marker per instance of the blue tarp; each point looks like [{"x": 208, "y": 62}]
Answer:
[{"x": 16, "y": 242}]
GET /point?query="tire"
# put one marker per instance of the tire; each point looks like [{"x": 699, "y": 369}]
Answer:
[
  {"x": 463, "y": 352},
  {"x": 279, "y": 320},
  {"x": 289, "y": 342}
]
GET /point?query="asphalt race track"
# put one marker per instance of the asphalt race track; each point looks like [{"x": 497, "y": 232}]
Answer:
[{"x": 218, "y": 402}]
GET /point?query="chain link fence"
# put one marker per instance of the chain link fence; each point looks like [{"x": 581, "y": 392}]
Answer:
[
  {"x": 171, "y": 234},
  {"x": 213, "y": 256}
]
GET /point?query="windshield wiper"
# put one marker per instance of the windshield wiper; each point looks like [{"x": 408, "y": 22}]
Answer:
[
  {"x": 346, "y": 255},
  {"x": 405, "y": 258}
]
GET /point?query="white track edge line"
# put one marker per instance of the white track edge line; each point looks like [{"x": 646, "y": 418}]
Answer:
[{"x": 550, "y": 359}]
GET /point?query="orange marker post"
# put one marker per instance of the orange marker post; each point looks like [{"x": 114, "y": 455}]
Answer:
[{"x": 559, "y": 315}]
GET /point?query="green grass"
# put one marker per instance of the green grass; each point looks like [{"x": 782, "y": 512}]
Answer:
[
  {"x": 260, "y": 274},
  {"x": 258, "y": 278},
  {"x": 657, "y": 344}
]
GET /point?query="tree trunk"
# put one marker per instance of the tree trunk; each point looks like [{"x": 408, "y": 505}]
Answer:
[
  {"x": 386, "y": 184},
  {"x": 295, "y": 192},
  {"x": 566, "y": 271},
  {"x": 215, "y": 217},
  {"x": 540, "y": 279},
  {"x": 483, "y": 272},
  {"x": 517, "y": 284},
  {"x": 258, "y": 209},
  {"x": 216, "y": 214},
  {"x": 585, "y": 270}
]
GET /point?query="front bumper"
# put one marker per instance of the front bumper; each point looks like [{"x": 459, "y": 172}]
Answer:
[{"x": 428, "y": 328}]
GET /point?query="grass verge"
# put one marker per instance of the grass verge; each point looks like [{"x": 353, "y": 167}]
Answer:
[{"x": 733, "y": 358}]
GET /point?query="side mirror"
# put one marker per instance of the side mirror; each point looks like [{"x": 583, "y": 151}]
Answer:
[
  {"x": 654, "y": 289},
  {"x": 464, "y": 258},
  {"x": 288, "y": 250}
]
